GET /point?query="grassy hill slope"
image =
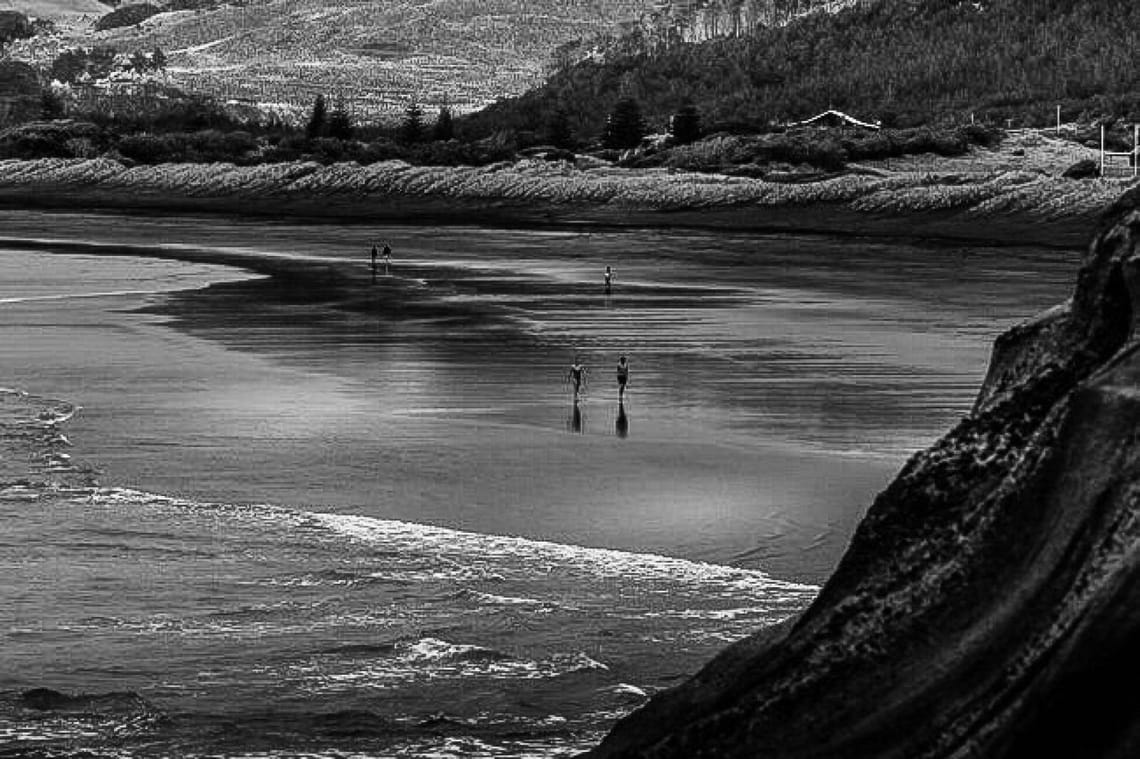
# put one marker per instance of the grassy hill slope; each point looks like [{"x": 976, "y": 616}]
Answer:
[{"x": 379, "y": 56}]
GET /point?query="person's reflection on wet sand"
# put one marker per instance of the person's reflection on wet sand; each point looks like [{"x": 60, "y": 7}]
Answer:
[
  {"x": 621, "y": 426},
  {"x": 575, "y": 422}
]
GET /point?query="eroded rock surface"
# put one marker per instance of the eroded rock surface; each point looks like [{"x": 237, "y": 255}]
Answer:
[{"x": 989, "y": 603}]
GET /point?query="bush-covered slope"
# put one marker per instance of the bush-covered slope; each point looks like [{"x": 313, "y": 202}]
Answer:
[{"x": 904, "y": 61}]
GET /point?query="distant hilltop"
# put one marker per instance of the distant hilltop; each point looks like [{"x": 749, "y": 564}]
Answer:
[{"x": 54, "y": 9}]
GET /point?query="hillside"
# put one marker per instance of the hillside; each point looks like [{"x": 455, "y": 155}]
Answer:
[
  {"x": 999, "y": 60},
  {"x": 55, "y": 9},
  {"x": 378, "y": 56}
]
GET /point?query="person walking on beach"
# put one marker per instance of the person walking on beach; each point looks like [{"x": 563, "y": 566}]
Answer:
[
  {"x": 577, "y": 376},
  {"x": 622, "y": 377},
  {"x": 374, "y": 257},
  {"x": 609, "y": 277},
  {"x": 387, "y": 255}
]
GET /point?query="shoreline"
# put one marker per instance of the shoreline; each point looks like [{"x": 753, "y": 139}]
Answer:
[{"x": 996, "y": 210}]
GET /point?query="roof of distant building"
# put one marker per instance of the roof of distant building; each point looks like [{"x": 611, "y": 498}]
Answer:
[{"x": 832, "y": 113}]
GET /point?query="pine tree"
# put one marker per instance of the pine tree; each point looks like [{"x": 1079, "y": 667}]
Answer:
[
  {"x": 624, "y": 127},
  {"x": 444, "y": 126},
  {"x": 412, "y": 128},
  {"x": 558, "y": 132},
  {"x": 51, "y": 106},
  {"x": 685, "y": 126},
  {"x": 318, "y": 119},
  {"x": 340, "y": 124}
]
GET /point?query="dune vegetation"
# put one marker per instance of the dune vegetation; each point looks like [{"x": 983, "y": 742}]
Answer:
[{"x": 541, "y": 183}]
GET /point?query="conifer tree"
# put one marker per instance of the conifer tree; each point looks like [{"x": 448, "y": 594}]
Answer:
[
  {"x": 51, "y": 106},
  {"x": 624, "y": 127},
  {"x": 412, "y": 128},
  {"x": 444, "y": 126},
  {"x": 317, "y": 119},
  {"x": 558, "y": 132},
  {"x": 685, "y": 126},
  {"x": 340, "y": 124}
]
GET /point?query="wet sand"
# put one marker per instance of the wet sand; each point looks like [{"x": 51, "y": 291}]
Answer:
[{"x": 778, "y": 382}]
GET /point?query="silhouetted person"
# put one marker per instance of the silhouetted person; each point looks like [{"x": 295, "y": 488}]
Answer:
[
  {"x": 622, "y": 376},
  {"x": 609, "y": 278},
  {"x": 621, "y": 426},
  {"x": 577, "y": 376},
  {"x": 387, "y": 256},
  {"x": 374, "y": 256}
]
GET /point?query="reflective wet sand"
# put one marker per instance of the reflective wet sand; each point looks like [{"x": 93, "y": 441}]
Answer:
[{"x": 777, "y": 382}]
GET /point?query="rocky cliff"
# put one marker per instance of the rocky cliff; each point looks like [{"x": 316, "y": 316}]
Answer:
[{"x": 989, "y": 604}]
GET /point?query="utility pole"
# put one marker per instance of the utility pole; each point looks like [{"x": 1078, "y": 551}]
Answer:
[{"x": 1058, "y": 120}]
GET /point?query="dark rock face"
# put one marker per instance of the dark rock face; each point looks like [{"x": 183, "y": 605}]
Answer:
[
  {"x": 91, "y": 704},
  {"x": 989, "y": 603}
]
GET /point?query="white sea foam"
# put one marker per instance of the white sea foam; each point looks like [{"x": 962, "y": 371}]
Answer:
[
  {"x": 83, "y": 296},
  {"x": 625, "y": 689},
  {"x": 492, "y": 599},
  {"x": 422, "y": 660},
  {"x": 539, "y": 555},
  {"x": 434, "y": 649},
  {"x": 446, "y": 554}
]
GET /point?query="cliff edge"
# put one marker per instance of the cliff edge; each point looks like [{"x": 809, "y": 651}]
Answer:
[{"x": 989, "y": 603}]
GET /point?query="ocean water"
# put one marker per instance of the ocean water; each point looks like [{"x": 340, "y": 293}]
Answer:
[
  {"x": 243, "y": 520},
  {"x": 185, "y": 628}
]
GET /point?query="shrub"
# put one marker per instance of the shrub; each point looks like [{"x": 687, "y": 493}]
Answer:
[
  {"x": 150, "y": 148},
  {"x": 18, "y": 78},
  {"x": 40, "y": 139},
  {"x": 14, "y": 26},
  {"x": 1085, "y": 169},
  {"x": 214, "y": 145},
  {"x": 331, "y": 150},
  {"x": 128, "y": 15},
  {"x": 71, "y": 65}
]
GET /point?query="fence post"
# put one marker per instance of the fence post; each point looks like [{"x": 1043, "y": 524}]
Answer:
[{"x": 1102, "y": 150}]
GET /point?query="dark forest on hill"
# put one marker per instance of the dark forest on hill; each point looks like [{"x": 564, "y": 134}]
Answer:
[{"x": 904, "y": 62}]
